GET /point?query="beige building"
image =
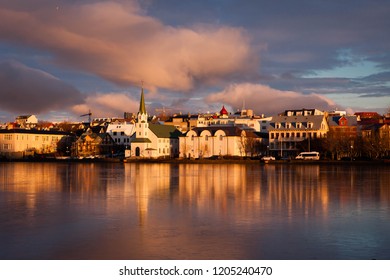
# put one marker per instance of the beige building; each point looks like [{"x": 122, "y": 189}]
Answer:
[
  {"x": 19, "y": 143},
  {"x": 291, "y": 134},
  {"x": 206, "y": 142}
]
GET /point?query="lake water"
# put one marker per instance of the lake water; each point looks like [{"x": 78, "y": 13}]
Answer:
[{"x": 194, "y": 211}]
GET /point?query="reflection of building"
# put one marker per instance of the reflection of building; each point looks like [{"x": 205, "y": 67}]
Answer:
[
  {"x": 18, "y": 143},
  {"x": 153, "y": 140}
]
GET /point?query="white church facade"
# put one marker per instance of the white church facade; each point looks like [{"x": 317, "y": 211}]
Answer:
[{"x": 153, "y": 140}]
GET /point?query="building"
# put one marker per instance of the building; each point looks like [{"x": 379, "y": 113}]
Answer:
[
  {"x": 219, "y": 141},
  {"x": 292, "y": 133},
  {"x": 223, "y": 118},
  {"x": 367, "y": 118},
  {"x": 21, "y": 143},
  {"x": 153, "y": 140},
  {"x": 91, "y": 144},
  {"x": 28, "y": 121},
  {"x": 342, "y": 135},
  {"x": 343, "y": 126},
  {"x": 376, "y": 140},
  {"x": 302, "y": 112},
  {"x": 121, "y": 132}
]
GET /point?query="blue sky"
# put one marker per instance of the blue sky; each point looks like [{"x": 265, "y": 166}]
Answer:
[{"x": 59, "y": 59}]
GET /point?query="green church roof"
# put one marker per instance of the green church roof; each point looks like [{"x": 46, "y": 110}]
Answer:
[{"x": 164, "y": 131}]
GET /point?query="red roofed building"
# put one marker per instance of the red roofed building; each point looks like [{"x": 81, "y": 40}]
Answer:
[{"x": 223, "y": 111}]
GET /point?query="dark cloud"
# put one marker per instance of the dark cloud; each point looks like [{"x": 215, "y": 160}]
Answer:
[
  {"x": 28, "y": 90},
  {"x": 184, "y": 50},
  {"x": 117, "y": 41}
]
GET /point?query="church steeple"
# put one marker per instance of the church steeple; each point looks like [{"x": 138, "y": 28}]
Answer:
[
  {"x": 142, "y": 114},
  {"x": 142, "y": 109}
]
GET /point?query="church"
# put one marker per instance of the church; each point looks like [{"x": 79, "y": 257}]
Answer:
[{"x": 152, "y": 140}]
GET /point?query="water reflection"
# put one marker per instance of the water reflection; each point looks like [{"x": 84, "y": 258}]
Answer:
[{"x": 193, "y": 211}]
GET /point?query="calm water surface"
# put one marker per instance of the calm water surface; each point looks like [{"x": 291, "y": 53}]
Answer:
[{"x": 194, "y": 211}]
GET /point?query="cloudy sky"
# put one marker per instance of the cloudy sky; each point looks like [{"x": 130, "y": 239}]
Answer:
[{"x": 61, "y": 58}]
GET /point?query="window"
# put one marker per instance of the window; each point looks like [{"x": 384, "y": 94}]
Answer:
[
  {"x": 7, "y": 146},
  {"x": 207, "y": 138},
  {"x": 299, "y": 125},
  {"x": 220, "y": 137},
  {"x": 272, "y": 135},
  {"x": 114, "y": 133}
]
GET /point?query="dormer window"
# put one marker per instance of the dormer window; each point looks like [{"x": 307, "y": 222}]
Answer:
[
  {"x": 288, "y": 125},
  {"x": 309, "y": 125},
  {"x": 299, "y": 125}
]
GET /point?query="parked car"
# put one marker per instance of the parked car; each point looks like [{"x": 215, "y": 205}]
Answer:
[{"x": 267, "y": 158}]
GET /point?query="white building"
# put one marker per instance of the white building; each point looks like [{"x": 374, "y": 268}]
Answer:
[
  {"x": 27, "y": 121},
  {"x": 153, "y": 140},
  {"x": 121, "y": 132},
  {"x": 241, "y": 118},
  {"x": 206, "y": 142},
  {"x": 18, "y": 143}
]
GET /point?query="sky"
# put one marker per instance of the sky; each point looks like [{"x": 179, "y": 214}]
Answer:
[{"x": 60, "y": 59}]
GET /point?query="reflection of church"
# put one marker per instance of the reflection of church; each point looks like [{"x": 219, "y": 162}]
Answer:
[{"x": 153, "y": 140}]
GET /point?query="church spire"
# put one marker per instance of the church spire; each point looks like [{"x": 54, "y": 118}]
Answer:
[
  {"x": 142, "y": 109},
  {"x": 142, "y": 114}
]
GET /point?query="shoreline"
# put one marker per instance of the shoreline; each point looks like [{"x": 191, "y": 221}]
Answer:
[{"x": 201, "y": 161}]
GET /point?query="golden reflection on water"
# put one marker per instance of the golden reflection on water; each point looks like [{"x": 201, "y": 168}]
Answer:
[
  {"x": 216, "y": 187},
  {"x": 195, "y": 211}
]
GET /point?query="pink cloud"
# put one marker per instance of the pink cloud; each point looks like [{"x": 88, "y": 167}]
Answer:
[
  {"x": 120, "y": 43},
  {"x": 107, "y": 105},
  {"x": 266, "y": 100}
]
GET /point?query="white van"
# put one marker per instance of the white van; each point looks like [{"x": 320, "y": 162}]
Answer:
[{"x": 308, "y": 156}]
